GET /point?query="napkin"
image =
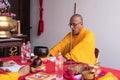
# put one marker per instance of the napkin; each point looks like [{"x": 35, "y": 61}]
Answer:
[{"x": 108, "y": 76}]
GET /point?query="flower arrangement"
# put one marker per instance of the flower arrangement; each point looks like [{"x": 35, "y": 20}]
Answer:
[
  {"x": 4, "y": 4},
  {"x": 4, "y": 8}
]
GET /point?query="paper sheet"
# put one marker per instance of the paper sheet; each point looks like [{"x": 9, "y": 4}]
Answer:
[{"x": 14, "y": 68}]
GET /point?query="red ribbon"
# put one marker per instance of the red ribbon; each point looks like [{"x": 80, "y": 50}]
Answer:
[{"x": 41, "y": 22}]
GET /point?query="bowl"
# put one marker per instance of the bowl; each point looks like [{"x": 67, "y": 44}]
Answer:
[
  {"x": 41, "y": 51},
  {"x": 88, "y": 75}
]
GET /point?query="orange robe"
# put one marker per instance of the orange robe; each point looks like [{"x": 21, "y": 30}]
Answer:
[
  {"x": 83, "y": 46},
  {"x": 9, "y": 76}
]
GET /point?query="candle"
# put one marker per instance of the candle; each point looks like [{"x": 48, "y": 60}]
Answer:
[{"x": 18, "y": 27}]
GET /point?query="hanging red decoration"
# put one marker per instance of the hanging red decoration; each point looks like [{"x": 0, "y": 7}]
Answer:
[{"x": 41, "y": 22}]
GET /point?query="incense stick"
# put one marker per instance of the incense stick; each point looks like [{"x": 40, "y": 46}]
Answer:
[{"x": 75, "y": 8}]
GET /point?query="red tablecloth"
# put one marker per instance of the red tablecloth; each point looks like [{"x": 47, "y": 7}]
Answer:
[{"x": 50, "y": 66}]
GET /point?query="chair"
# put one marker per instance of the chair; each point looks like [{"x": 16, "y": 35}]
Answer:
[{"x": 96, "y": 52}]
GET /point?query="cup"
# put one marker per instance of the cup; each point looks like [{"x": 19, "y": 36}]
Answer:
[
  {"x": 52, "y": 59},
  {"x": 88, "y": 75}
]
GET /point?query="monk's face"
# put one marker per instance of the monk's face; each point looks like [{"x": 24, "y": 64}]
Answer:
[{"x": 76, "y": 25}]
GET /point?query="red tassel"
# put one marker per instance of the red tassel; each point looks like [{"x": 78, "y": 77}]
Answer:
[
  {"x": 40, "y": 27},
  {"x": 41, "y": 22}
]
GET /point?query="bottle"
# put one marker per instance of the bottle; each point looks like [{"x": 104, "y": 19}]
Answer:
[
  {"x": 28, "y": 48},
  {"x": 59, "y": 66},
  {"x": 23, "y": 53}
]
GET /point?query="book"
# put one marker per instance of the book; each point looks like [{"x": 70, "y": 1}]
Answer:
[{"x": 40, "y": 76}]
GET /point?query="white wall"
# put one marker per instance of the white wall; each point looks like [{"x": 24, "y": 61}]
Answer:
[{"x": 100, "y": 16}]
